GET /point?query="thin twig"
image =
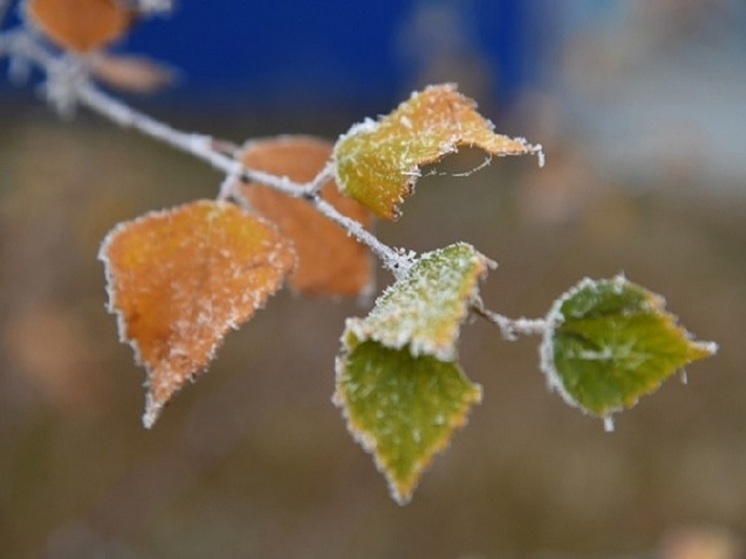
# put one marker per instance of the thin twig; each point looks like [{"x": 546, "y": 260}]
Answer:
[
  {"x": 315, "y": 185},
  {"x": 510, "y": 328},
  {"x": 393, "y": 260}
]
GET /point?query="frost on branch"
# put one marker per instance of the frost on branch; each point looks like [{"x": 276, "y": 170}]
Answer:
[
  {"x": 378, "y": 163},
  {"x": 330, "y": 261},
  {"x": 609, "y": 342},
  {"x": 398, "y": 383},
  {"x": 80, "y": 25},
  {"x": 179, "y": 279}
]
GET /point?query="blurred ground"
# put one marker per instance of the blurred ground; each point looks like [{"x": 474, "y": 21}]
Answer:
[{"x": 254, "y": 461}]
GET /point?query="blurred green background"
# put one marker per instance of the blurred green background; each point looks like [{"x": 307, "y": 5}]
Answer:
[{"x": 640, "y": 112}]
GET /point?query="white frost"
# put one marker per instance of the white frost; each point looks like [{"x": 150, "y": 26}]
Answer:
[{"x": 609, "y": 423}]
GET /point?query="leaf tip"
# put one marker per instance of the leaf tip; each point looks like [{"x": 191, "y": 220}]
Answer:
[
  {"x": 704, "y": 349},
  {"x": 180, "y": 279},
  {"x": 152, "y": 411},
  {"x": 609, "y": 423},
  {"x": 402, "y": 409}
]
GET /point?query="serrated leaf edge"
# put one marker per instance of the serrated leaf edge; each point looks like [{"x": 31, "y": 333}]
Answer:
[
  {"x": 555, "y": 318},
  {"x": 363, "y": 331},
  {"x": 152, "y": 408},
  {"x": 369, "y": 444},
  {"x": 449, "y": 146}
]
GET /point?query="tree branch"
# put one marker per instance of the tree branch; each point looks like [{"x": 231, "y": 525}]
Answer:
[
  {"x": 510, "y": 328},
  {"x": 203, "y": 147},
  {"x": 69, "y": 83}
]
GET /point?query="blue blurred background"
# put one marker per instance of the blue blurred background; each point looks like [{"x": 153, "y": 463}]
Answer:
[
  {"x": 323, "y": 53},
  {"x": 639, "y": 105},
  {"x": 326, "y": 53}
]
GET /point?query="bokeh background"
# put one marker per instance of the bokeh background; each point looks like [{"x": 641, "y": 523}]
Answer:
[{"x": 639, "y": 105}]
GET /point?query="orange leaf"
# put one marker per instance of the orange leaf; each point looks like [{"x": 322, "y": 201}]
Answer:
[
  {"x": 378, "y": 162},
  {"x": 80, "y": 25},
  {"x": 135, "y": 74},
  {"x": 179, "y": 279},
  {"x": 330, "y": 262}
]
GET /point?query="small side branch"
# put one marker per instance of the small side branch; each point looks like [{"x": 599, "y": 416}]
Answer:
[
  {"x": 511, "y": 328},
  {"x": 392, "y": 259}
]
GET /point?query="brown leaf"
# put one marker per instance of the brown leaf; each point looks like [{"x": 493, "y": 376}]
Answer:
[
  {"x": 135, "y": 74},
  {"x": 179, "y": 279},
  {"x": 330, "y": 262},
  {"x": 80, "y": 25}
]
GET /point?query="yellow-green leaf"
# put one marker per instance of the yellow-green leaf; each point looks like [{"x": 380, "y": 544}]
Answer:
[
  {"x": 378, "y": 163},
  {"x": 608, "y": 342},
  {"x": 424, "y": 310},
  {"x": 397, "y": 380},
  {"x": 179, "y": 279},
  {"x": 401, "y": 408}
]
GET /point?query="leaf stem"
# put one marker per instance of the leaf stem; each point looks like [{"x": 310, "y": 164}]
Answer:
[{"x": 511, "y": 328}]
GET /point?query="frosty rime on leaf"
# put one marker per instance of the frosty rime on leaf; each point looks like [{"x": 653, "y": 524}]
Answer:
[
  {"x": 179, "y": 279},
  {"x": 398, "y": 383},
  {"x": 378, "y": 162}
]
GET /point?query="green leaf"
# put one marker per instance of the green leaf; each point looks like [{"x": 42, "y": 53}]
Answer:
[
  {"x": 425, "y": 308},
  {"x": 378, "y": 163},
  {"x": 401, "y": 408},
  {"x": 397, "y": 382},
  {"x": 608, "y": 342}
]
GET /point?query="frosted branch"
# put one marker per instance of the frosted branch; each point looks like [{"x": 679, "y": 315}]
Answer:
[
  {"x": 205, "y": 148},
  {"x": 510, "y": 328},
  {"x": 68, "y": 83},
  {"x": 394, "y": 260}
]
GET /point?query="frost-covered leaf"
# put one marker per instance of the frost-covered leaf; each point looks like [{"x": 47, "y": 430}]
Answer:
[
  {"x": 179, "y": 279},
  {"x": 608, "y": 342},
  {"x": 330, "y": 262},
  {"x": 80, "y": 25},
  {"x": 397, "y": 380},
  {"x": 424, "y": 309},
  {"x": 135, "y": 74},
  {"x": 378, "y": 163},
  {"x": 402, "y": 408}
]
